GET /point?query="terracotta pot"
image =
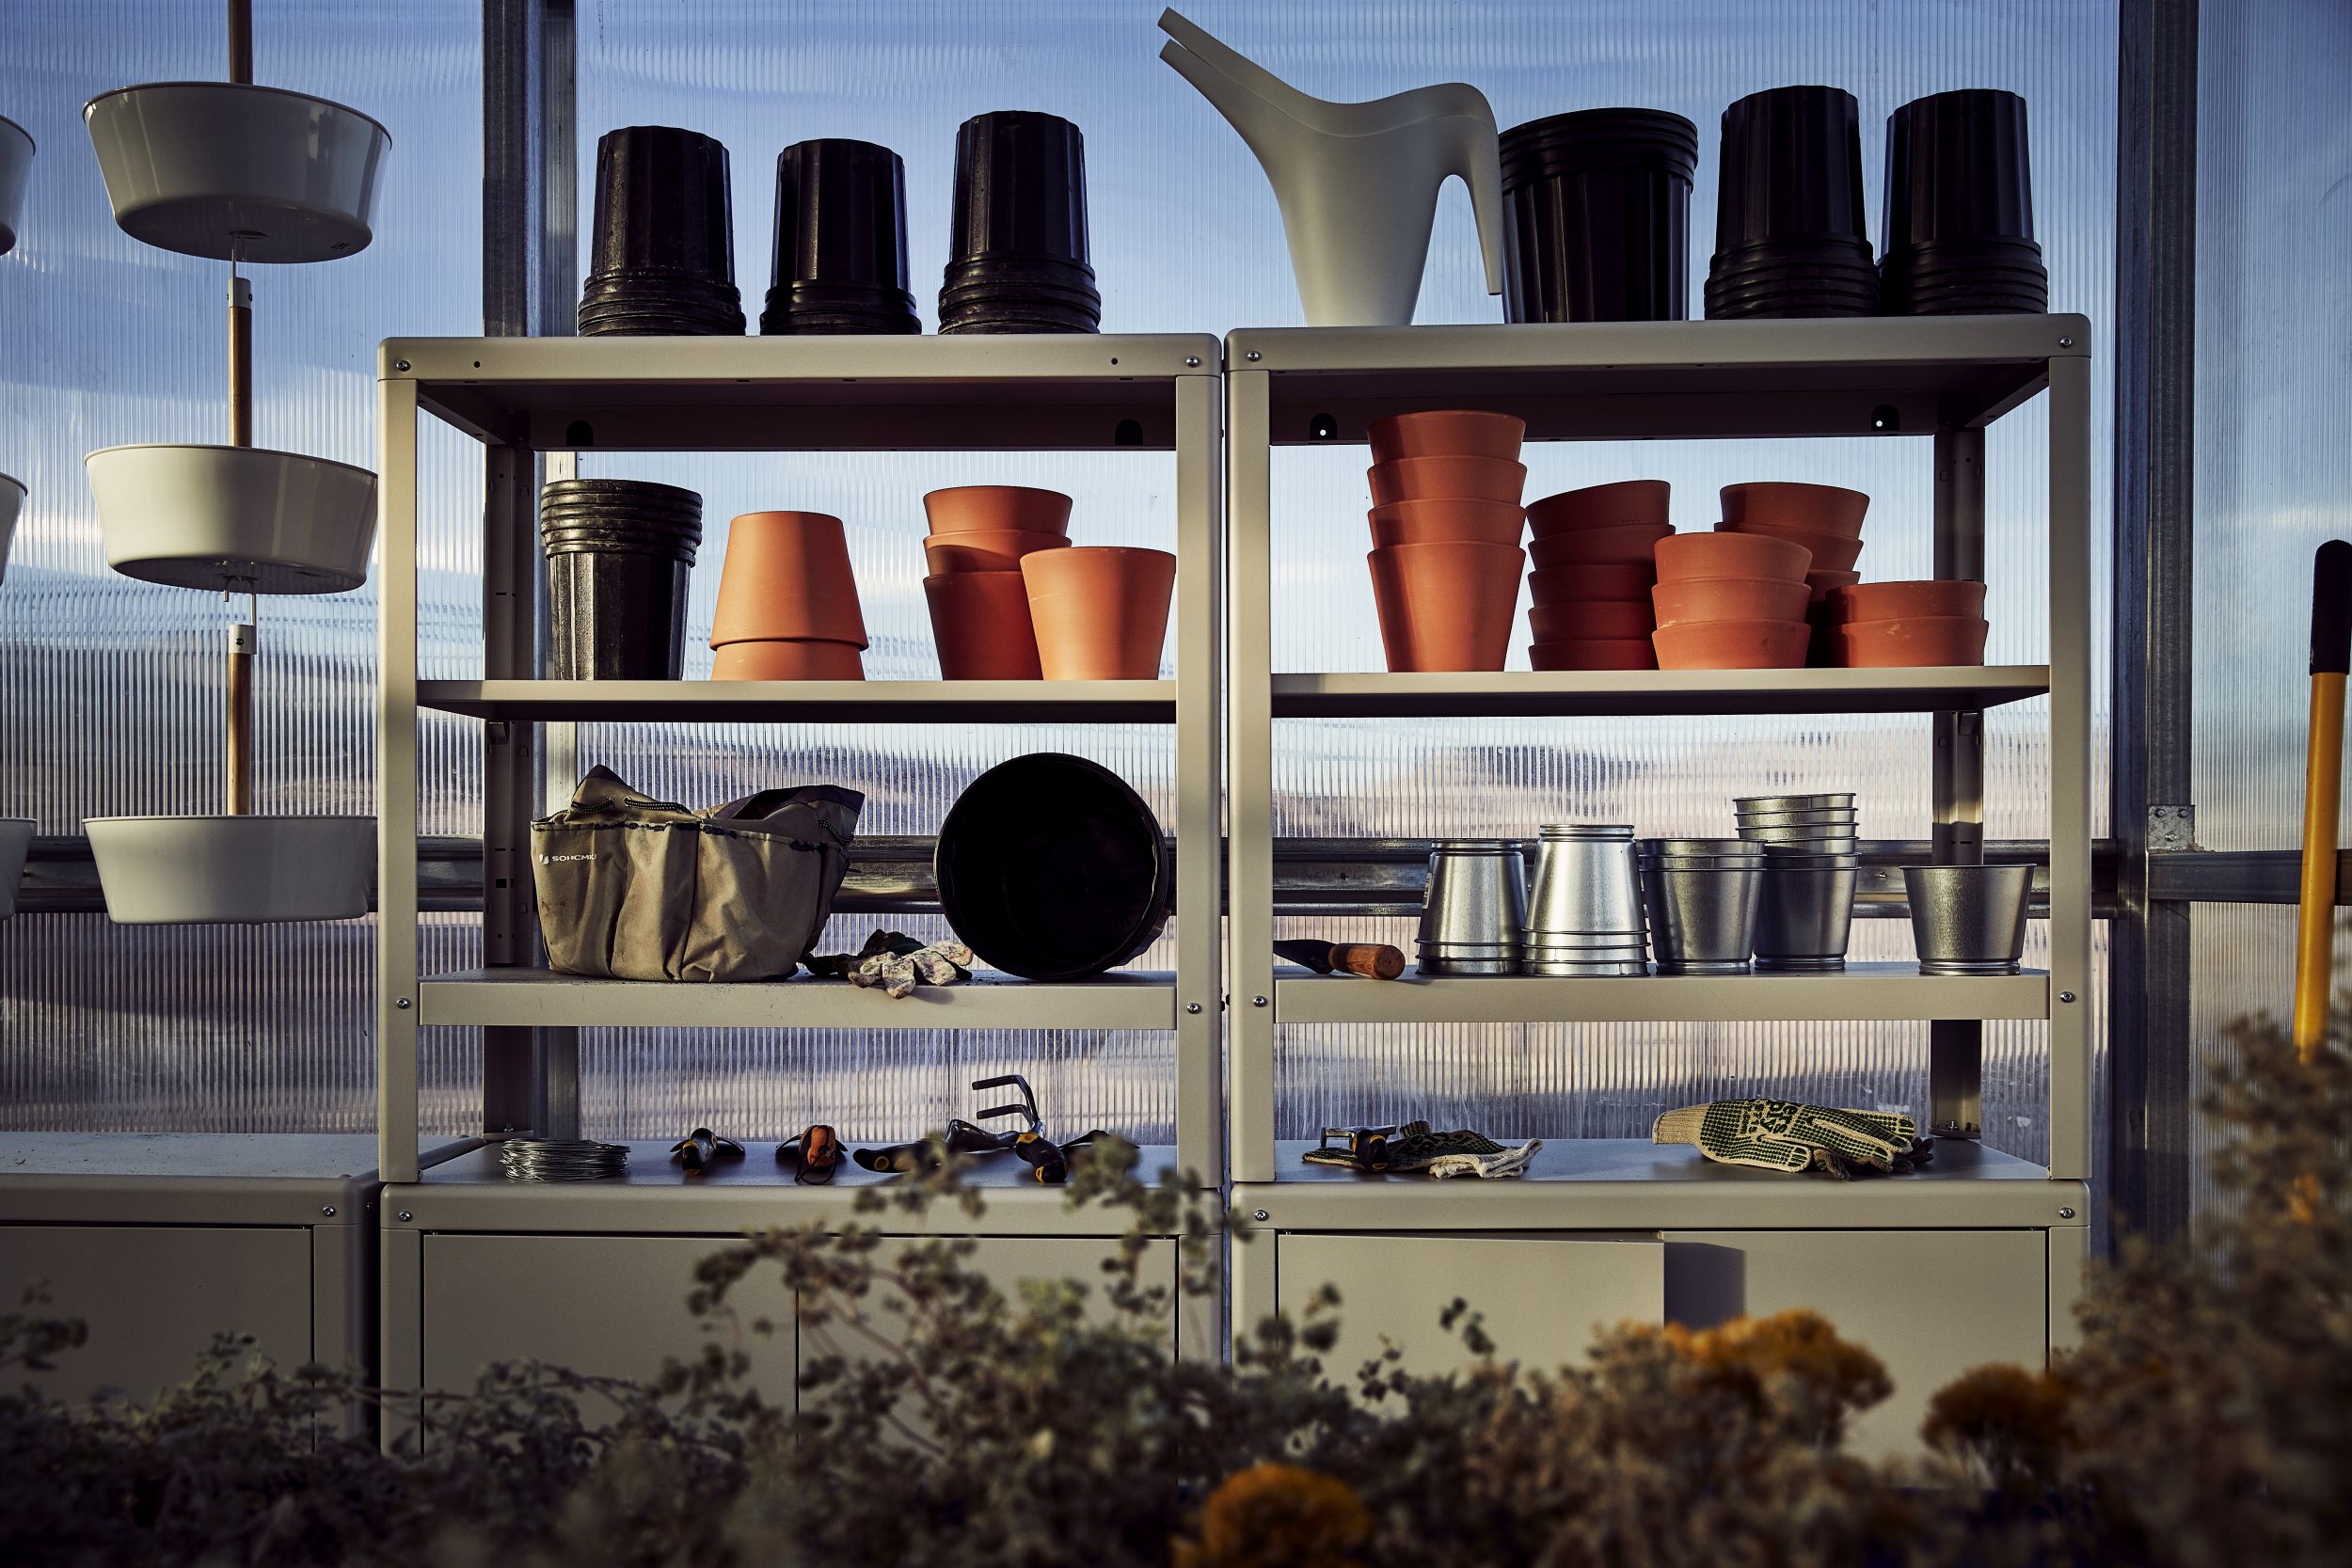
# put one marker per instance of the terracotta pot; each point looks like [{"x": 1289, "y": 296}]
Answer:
[
  {"x": 1101, "y": 611},
  {"x": 1446, "y": 479},
  {"x": 1730, "y": 555},
  {"x": 786, "y": 576},
  {"x": 1831, "y": 553},
  {"x": 1435, "y": 522},
  {"x": 978, "y": 508},
  {"x": 1921, "y": 640},
  {"x": 1817, "y": 508},
  {"x": 1595, "y": 652},
  {"x": 1690, "y": 599},
  {"x": 1906, "y": 601},
  {"x": 986, "y": 549},
  {"x": 1447, "y": 607},
  {"x": 1613, "y": 581},
  {"x": 1631, "y": 500},
  {"x": 787, "y": 660},
  {"x": 1633, "y": 542},
  {"x": 980, "y": 624},
  {"x": 1821, "y": 584},
  {"x": 1447, "y": 433},
  {"x": 1587, "y": 619},
  {"x": 1732, "y": 645}
]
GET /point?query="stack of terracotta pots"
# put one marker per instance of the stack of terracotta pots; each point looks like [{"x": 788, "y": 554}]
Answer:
[
  {"x": 788, "y": 602},
  {"x": 1446, "y": 517},
  {"x": 1731, "y": 601},
  {"x": 1594, "y": 562},
  {"x": 1826, "y": 520},
  {"x": 980, "y": 534},
  {"x": 1879, "y": 625}
]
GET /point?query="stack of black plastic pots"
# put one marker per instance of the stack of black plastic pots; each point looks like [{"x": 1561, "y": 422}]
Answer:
[
  {"x": 1790, "y": 238},
  {"x": 619, "y": 552},
  {"x": 1017, "y": 258},
  {"x": 664, "y": 239},
  {"x": 1959, "y": 208},
  {"x": 841, "y": 241},
  {"x": 1597, "y": 217}
]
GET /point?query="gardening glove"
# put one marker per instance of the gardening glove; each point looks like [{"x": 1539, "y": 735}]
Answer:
[
  {"x": 1788, "y": 1135},
  {"x": 1510, "y": 1161}
]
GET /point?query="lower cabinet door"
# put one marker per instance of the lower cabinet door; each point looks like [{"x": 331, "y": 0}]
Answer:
[
  {"x": 1542, "y": 1295},
  {"x": 1928, "y": 1304},
  {"x": 614, "y": 1305},
  {"x": 154, "y": 1296}
]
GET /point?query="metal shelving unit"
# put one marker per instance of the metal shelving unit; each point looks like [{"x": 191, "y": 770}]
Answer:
[
  {"x": 524, "y": 397},
  {"x": 1943, "y": 379}
]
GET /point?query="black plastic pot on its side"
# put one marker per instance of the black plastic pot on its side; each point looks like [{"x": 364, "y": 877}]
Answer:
[
  {"x": 664, "y": 231},
  {"x": 1597, "y": 217},
  {"x": 1958, "y": 219},
  {"x": 840, "y": 239},
  {"x": 1020, "y": 219},
  {"x": 1049, "y": 867}
]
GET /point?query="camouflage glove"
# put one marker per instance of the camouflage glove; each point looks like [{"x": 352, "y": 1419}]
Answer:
[{"x": 1788, "y": 1135}]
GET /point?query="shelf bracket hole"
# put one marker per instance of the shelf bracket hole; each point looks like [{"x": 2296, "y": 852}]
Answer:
[
  {"x": 1128, "y": 432},
  {"x": 1886, "y": 419},
  {"x": 579, "y": 433},
  {"x": 1323, "y": 427}
]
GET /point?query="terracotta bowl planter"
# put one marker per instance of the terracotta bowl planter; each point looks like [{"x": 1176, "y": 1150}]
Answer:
[
  {"x": 1918, "y": 641},
  {"x": 1906, "y": 601},
  {"x": 1732, "y": 645},
  {"x": 1447, "y": 433},
  {"x": 1447, "y": 478},
  {"x": 1631, "y": 500},
  {"x": 980, "y": 508},
  {"x": 1447, "y": 607},
  {"x": 1099, "y": 610},
  {"x": 1435, "y": 522},
  {"x": 1815, "y": 508},
  {"x": 1823, "y": 584},
  {"x": 986, "y": 549},
  {"x": 1613, "y": 581},
  {"x": 1587, "y": 619},
  {"x": 980, "y": 624},
  {"x": 1831, "y": 553},
  {"x": 786, "y": 576},
  {"x": 1690, "y": 599},
  {"x": 1596, "y": 546},
  {"x": 1597, "y": 652},
  {"x": 787, "y": 660},
  {"x": 1730, "y": 555}
]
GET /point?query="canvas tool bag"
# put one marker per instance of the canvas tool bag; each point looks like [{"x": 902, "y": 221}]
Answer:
[{"x": 637, "y": 889}]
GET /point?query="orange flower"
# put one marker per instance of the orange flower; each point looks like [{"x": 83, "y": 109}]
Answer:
[{"x": 1278, "y": 1516}]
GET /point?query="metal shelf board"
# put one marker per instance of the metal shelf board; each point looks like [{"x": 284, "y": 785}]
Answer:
[
  {"x": 856, "y": 393},
  {"x": 1662, "y": 380},
  {"x": 1861, "y": 992},
  {"x": 793, "y": 701},
  {"x": 1630, "y": 1183},
  {"x": 308, "y": 1179},
  {"x": 656, "y": 1197},
  {"x": 520, "y": 998},
  {"x": 1528, "y": 694}
]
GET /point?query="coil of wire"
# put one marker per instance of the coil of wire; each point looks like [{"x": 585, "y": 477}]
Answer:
[{"x": 562, "y": 1160}]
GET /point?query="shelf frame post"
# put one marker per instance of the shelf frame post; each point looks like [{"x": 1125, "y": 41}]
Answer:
[
  {"x": 2070, "y": 761},
  {"x": 1249, "y": 961},
  {"x": 396, "y": 781},
  {"x": 1200, "y": 537},
  {"x": 1955, "y": 1046}
]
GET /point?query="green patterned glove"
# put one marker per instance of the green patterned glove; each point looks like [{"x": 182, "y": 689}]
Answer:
[{"x": 1788, "y": 1135}]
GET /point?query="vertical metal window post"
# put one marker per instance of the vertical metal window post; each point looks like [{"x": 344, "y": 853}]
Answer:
[{"x": 2152, "y": 1055}]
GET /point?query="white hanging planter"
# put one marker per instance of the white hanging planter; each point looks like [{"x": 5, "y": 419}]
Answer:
[
  {"x": 234, "y": 171},
  {"x": 235, "y": 518},
  {"x": 11, "y": 502},
  {"x": 16, "y": 842},
  {"x": 16, "y": 167},
  {"x": 182, "y": 870}
]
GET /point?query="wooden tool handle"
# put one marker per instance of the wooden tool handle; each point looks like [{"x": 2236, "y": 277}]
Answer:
[{"x": 1372, "y": 959}]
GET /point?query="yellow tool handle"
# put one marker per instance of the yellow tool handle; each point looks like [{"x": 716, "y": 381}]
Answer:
[{"x": 2323, "y": 781}]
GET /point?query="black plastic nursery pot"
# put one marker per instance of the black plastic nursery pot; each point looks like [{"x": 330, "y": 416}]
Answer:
[
  {"x": 1789, "y": 210},
  {"x": 1958, "y": 218},
  {"x": 663, "y": 247},
  {"x": 840, "y": 253},
  {"x": 1019, "y": 229},
  {"x": 1597, "y": 217},
  {"x": 617, "y": 615},
  {"x": 1049, "y": 867}
]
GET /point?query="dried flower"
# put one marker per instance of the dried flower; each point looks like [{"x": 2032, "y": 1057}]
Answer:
[{"x": 1278, "y": 1516}]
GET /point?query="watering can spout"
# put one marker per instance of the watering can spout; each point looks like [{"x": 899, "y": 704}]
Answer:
[{"x": 1357, "y": 182}]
